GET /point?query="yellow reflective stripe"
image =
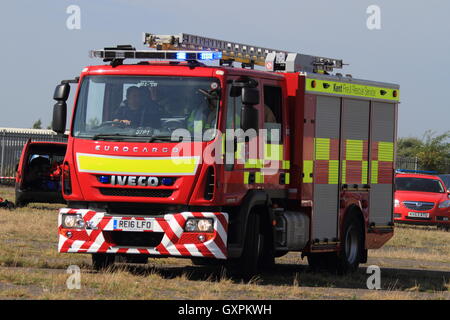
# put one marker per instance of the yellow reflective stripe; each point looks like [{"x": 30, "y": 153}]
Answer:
[
  {"x": 307, "y": 170},
  {"x": 273, "y": 152},
  {"x": 352, "y": 89},
  {"x": 385, "y": 151},
  {"x": 287, "y": 178},
  {"x": 354, "y": 150},
  {"x": 333, "y": 172},
  {"x": 259, "y": 178},
  {"x": 374, "y": 172},
  {"x": 286, "y": 165},
  {"x": 322, "y": 148},
  {"x": 254, "y": 164},
  {"x": 365, "y": 168},
  {"x": 239, "y": 149},
  {"x": 94, "y": 163},
  {"x": 344, "y": 171},
  {"x": 246, "y": 176}
]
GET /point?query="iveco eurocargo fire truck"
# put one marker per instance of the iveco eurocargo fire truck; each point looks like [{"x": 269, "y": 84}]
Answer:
[{"x": 235, "y": 162}]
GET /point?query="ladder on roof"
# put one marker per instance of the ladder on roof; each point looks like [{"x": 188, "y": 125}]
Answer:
[{"x": 272, "y": 59}]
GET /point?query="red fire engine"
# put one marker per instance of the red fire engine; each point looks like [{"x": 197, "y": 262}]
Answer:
[{"x": 302, "y": 160}]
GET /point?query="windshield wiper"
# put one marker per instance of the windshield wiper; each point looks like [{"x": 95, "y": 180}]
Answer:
[
  {"x": 165, "y": 138},
  {"x": 115, "y": 136}
]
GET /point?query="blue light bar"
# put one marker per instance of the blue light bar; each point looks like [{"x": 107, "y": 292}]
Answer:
[
  {"x": 181, "y": 55},
  {"x": 210, "y": 55},
  {"x": 202, "y": 55}
]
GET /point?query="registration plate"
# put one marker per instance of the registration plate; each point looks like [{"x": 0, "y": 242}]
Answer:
[
  {"x": 418, "y": 214},
  {"x": 132, "y": 225}
]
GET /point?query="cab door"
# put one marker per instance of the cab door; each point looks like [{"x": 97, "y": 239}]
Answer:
[
  {"x": 21, "y": 167},
  {"x": 241, "y": 153}
]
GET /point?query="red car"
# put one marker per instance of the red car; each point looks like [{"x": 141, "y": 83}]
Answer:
[
  {"x": 421, "y": 199},
  {"x": 39, "y": 173}
]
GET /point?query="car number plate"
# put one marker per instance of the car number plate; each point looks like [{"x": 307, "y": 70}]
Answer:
[
  {"x": 418, "y": 214},
  {"x": 132, "y": 225}
]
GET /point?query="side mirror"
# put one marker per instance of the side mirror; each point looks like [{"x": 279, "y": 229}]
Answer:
[
  {"x": 61, "y": 92},
  {"x": 250, "y": 96},
  {"x": 59, "y": 117}
]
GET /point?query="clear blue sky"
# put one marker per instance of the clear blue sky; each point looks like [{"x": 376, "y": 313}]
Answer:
[{"x": 411, "y": 49}]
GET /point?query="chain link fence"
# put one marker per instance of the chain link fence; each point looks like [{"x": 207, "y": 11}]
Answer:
[{"x": 12, "y": 141}]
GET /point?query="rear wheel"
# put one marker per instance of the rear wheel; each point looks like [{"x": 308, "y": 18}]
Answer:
[
  {"x": 352, "y": 246},
  {"x": 102, "y": 261}
]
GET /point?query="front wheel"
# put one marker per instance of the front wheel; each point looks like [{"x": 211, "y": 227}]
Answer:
[{"x": 247, "y": 265}]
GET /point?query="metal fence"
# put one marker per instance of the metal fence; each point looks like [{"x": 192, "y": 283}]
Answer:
[
  {"x": 414, "y": 163},
  {"x": 12, "y": 142}
]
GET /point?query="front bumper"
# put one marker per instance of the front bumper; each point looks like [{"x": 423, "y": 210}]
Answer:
[
  {"x": 165, "y": 238},
  {"x": 436, "y": 217}
]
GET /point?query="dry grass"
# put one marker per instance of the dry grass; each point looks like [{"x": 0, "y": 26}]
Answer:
[{"x": 31, "y": 268}]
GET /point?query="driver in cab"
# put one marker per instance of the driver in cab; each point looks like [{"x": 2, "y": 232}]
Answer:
[{"x": 136, "y": 111}]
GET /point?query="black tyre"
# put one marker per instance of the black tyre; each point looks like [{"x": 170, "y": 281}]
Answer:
[
  {"x": 102, "y": 261},
  {"x": 248, "y": 264},
  {"x": 20, "y": 204},
  {"x": 352, "y": 246}
]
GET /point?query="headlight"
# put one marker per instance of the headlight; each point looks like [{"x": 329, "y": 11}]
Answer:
[
  {"x": 72, "y": 221},
  {"x": 396, "y": 203},
  {"x": 199, "y": 225},
  {"x": 444, "y": 204}
]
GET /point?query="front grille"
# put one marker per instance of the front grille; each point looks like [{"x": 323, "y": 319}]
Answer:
[
  {"x": 135, "y": 239},
  {"x": 129, "y": 192},
  {"x": 418, "y": 206},
  {"x": 417, "y": 218}
]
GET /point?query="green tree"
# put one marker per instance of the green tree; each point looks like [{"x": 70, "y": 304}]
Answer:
[
  {"x": 37, "y": 124},
  {"x": 434, "y": 152},
  {"x": 408, "y": 147}
]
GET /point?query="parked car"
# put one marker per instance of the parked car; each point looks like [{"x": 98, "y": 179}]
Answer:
[
  {"x": 421, "y": 199},
  {"x": 38, "y": 174}
]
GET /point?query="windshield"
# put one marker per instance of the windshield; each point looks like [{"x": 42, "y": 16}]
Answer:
[
  {"x": 419, "y": 184},
  {"x": 446, "y": 179},
  {"x": 143, "y": 108}
]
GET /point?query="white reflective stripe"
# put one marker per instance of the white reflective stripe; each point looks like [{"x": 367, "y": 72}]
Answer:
[
  {"x": 76, "y": 245},
  {"x": 193, "y": 249},
  {"x": 175, "y": 226},
  {"x": 215, "y": 250},
  {"x": 221, "y": 232},
  {"x": 173, "y": 250},
  {"x": 157, "y": 227}
]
